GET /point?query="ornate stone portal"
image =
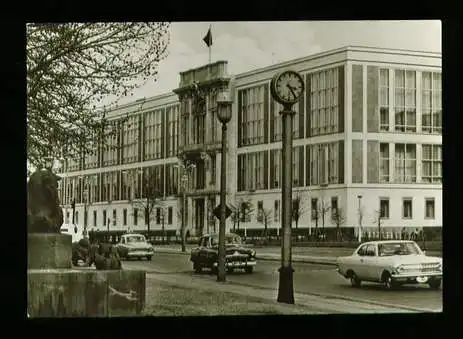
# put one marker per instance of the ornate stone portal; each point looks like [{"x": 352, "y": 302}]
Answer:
[{"x": 55, "y": 288}]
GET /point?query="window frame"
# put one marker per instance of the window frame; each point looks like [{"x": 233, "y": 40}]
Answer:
[{"x": 406, "y": 200}]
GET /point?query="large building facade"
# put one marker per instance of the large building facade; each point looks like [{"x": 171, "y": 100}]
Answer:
[{"x": 367, "y": 145}]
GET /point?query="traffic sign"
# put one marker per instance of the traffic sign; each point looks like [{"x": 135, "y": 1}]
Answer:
[{"x": 216, "y": 211}]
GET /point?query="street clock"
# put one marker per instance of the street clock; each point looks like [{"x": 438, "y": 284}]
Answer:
[{"x": 287, "y": 87}]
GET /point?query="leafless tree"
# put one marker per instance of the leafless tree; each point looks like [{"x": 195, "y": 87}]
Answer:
[
  {"x": 241, "y": 211},
  {"x": 323, "y": 208},
  {"x": 267, "y": 218},
  {"x": 338, "y": 218},
  {"x": 151, "y": 197},
  {"x": 377, "y": 220},
  {"x": 298, "y": 208},
  {"x": 74, "y": 67}
]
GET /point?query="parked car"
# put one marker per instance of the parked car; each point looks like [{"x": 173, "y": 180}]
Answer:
[
  {"x": 392, "y": 263},
  {"x": 237, "y": 256},
  {"x": 134, "y": 245}
]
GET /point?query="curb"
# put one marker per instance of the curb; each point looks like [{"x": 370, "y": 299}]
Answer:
[{"x": 266, "y": 258}]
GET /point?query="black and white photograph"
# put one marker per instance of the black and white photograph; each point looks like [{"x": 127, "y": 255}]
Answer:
[{"x": 234, "y": 168}]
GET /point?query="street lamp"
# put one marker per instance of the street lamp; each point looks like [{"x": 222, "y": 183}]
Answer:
[
  {"x": 359, "y": 235},
  {"x": 185, "y": 169},
  {"x": 224, "y": 113}
]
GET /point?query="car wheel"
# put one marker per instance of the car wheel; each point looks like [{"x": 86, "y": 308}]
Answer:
[
  {"x": 435, "y": 283},
  {"x": 354, "y": 280},
  {"x": 248, "y": 270},
  {"x": 388, "y": 282},
  {"x": 197, "y": 268},
  {"x": 148, "y": 257}
]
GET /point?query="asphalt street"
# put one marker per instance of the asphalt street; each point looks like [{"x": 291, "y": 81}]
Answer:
[{"x": 309, "y": 280}]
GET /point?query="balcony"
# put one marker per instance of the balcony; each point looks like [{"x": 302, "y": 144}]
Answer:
[{"x": 194, "y": 152}]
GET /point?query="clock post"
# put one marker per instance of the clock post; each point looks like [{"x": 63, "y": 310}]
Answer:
[{"x": 287, "y": 88}]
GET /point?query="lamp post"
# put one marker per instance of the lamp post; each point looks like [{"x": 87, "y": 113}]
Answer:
[
  {"x": 185, "y": 169},
  {"x": 359, "y": 235},
  {"x": 224, "y": 113}
]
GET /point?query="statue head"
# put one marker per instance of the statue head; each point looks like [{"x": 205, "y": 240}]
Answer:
[{"x": 43, "y": 184}]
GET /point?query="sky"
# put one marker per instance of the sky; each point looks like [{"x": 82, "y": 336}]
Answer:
[{"x": 250, "y": 45}]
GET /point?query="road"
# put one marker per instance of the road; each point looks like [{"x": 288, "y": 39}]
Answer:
[{"x": 309, "y": 279}]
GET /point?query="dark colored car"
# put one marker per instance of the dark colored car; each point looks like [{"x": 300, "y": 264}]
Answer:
[{"x": 237, "y": 255}]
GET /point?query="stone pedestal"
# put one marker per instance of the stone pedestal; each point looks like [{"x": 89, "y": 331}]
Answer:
[{"x": 55, "y": 289}]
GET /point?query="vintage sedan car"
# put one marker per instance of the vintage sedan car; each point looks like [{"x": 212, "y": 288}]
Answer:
[
  {"x": 237, "y": 256},
  {"x": 392, "y": 263},
  {"x": 134, "y": 245}
]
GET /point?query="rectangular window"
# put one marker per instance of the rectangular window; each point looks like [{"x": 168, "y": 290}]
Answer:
[
  {"x": 110, "y": 147},
  {"x": 431, "y": 169},
  {"x": 153, "y": 134},
  {"x": 324, "y": 102},
  {"x": 94, "y": 218},
  {"x": 114, "y": 217},
  {"x": 405, "y": 101},
  {"x": 384, "y": 208},
  {"x": 407, "y": 208},
  {"x": 275, "y": 172},
  {"x": 135, "y": 216},
  {"x": 252, "y": 115},
  {"x": 429, "y": 208},
  {"x": 405, "y": 163},
  {"x": 158, "y": 216},
  {"x": 185, "y": 112},
  {"x": 384, "y": 100},
  {"x": 260, "y": 211},
  {"x": 314, "y": 208},
  {"x": 431, "y": 102},
  {"x": 124, "y": 216},
  {"x": 104, "y": 218},
  {"x": 334, "y": 206},
  {"x": 253, "y": 171},
  {"x": 384, "y": 162},
  {"x": 77, "y": 217},
  {"x": 324, "y": 163},
  {"x": 199, "y": 121},
  {"x": 169, "y": 215},
  {"x": 130, "y": 134},
  {"x": 172, "y": 126},
  {"x": 213, "y": 169},
  {"x": 276, "y": 211}
]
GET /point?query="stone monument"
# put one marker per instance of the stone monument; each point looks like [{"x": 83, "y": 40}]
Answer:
[{"x": 55, "y": 288}]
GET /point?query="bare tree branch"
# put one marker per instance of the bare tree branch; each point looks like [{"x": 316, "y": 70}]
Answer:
[{"x": 72, "y": 68}]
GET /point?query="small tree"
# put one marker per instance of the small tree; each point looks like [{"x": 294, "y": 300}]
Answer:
[
  {"x": 377, "y": 221},
  {"x": 241, "y": 211},
  {"x": 267, "y": 218},
  {"x": 151, "y": 197},
  {"x": 298, "y": 208},
  {"x": 323, "y": 208},
  {"x": 338, "y": 219}
]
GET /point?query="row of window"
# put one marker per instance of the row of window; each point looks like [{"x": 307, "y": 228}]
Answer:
[
  {"x": 155, "y": 131},
  {"x": 160, "y": 217},
  {"x": 407, "y": 208},
  {"x": 404, "y": 104},
  {"x": 405, "y": 163}
]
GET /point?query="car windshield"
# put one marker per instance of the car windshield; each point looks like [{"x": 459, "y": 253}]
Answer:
[
  {"x": 398, "y": 248},
  {"x": 229, "y": 240},
  {"x": 135, "y": 238}
]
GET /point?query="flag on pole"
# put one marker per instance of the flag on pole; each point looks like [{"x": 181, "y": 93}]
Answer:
[{"x": 208, "y": 38}]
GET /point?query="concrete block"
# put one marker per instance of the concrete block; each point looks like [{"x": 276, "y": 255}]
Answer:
[
  {"x": 85, "y": 292},
  {"x": 49, "y": 250}
]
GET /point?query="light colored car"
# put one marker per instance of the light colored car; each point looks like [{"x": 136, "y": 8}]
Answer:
[
  {"x": 392, "y": 263},
  {"x": 134, "y": 245}
]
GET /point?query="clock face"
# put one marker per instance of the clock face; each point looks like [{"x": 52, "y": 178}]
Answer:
[{"x": 287, "y": 87}]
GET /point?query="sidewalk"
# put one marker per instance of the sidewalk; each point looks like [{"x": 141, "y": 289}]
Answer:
[{"x": 310, "y": 255}]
